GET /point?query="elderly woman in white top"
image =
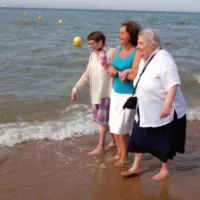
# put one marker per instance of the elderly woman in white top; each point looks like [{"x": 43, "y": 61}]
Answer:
[
  {"x": 100, "y": 85},
  {"x": 160, "y": 122}
]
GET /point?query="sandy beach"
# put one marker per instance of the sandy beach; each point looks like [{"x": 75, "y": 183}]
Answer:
[{"x": 62, "y": 170}]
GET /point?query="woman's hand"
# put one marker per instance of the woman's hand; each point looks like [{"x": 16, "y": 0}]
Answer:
[
  {"x": 165, "y": 111},
  {"x": 74, "y": 94},
  {"x": 112, "y": 72},
  {"x": 123, "y": 75}
]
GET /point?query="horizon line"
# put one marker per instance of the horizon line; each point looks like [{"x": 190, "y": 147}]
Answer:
[{"x": 50, "y": 8}]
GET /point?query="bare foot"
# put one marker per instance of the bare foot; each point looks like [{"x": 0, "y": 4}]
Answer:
[
  {"x": 121, "y": 163},
  {"x": 96, "y": 152},
  {"x": 115, "y": 158},
  {"x": 111, "y": 145},
  {"x": 161, "y": 175},
  {"x": 131, "y": 172}
]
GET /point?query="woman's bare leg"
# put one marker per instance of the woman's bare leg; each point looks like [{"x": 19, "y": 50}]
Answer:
[
  {"x": 135, "y": 169},
  {"x": 101, "y": 145},
  {"x": 123, "y": 139},
  {"x": 112, "y": 142}
]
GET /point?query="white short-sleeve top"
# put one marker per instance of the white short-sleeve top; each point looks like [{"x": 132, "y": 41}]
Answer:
[{"x": 160, "y": 75}]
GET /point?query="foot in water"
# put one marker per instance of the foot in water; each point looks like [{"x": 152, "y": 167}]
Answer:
[
  {"x": 96, "y": 152},
  {"x": 111, "y": 144},
  {"x": 121, "y": 163},
  {"x": 115, "y": 158},
  {"x": 161, "y": 175},
  {"x": 131, "y": 172}
]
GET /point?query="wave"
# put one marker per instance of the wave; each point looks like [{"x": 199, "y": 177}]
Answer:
[
  {"x": 193, "y": 114},
  {"x": 26, "y": 23},
  {"x": 197, "y": 77},
  {"x": 77, "y": 121},
  {"x": 185, "y": 22},
  {"x": 190, "y": 80},
  {"x": 74, "y": 126},
  {"x": 41, "y": 49}
]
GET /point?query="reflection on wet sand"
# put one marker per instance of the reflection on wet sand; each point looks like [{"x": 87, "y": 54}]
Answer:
[{"x": 134, "y": 189}]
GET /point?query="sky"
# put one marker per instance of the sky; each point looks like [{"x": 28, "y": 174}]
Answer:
[{"x": 160, "y": 5}]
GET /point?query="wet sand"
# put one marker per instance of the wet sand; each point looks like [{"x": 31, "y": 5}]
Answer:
[{"x": 61, "y": 170}]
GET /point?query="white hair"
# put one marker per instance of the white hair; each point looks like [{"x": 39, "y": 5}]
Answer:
[{"x": 151, "y": 37}]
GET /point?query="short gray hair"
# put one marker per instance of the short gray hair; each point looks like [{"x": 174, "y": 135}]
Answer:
[{"x": 151, "y": 37}]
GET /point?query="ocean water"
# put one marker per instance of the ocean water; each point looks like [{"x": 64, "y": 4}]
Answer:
[{"x": 39, "y": 66}]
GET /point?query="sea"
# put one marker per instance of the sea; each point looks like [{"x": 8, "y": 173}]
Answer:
[{"x": 39, "y": 66}]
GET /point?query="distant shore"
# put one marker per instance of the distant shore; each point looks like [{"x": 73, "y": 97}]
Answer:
[{"x": 82, "y": 9}]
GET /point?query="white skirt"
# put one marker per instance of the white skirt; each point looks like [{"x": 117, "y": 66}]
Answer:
[{"x": 120, "y": 120}]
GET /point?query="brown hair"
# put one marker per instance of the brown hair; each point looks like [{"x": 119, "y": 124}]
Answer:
[
  {"x": 97, "y": 36},
  {"x": 133, "y": 28}
]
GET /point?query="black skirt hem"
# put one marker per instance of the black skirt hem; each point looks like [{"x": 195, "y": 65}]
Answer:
[{"x": 162, "y": 142}]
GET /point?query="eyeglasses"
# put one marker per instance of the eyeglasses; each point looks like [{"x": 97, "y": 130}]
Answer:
[{"x": 91, "y": 43}]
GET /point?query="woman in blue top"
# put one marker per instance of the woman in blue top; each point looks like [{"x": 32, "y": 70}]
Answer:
[{"x": 125, "y": 60}]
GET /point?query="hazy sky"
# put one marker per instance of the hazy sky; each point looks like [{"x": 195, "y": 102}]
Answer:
[{"x": 169, "y": 5}]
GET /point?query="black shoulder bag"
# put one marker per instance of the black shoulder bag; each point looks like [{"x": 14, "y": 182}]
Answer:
[{"x": 132, "y": 101}]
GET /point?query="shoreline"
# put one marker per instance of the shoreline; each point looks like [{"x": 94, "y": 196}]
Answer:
[{"x": 63, "y": 170}]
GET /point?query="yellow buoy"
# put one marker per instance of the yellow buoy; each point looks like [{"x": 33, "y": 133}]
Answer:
[
  {"x": 25, "y": 14},
  {"x": 60, "y": 21},
  {"x": 186, "y": 18},
  {"x": 40, "y": 17},
  {"x": 77, "y": 42}
]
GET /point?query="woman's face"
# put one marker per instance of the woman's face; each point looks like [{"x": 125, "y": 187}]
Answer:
[
  {"x": 94, "y": 45},
  {"x": 144, "y": 48},
  {"x": 124, "y": 37}
]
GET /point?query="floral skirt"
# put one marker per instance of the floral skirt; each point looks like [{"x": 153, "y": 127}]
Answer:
[{"x": 101, "y": 111}]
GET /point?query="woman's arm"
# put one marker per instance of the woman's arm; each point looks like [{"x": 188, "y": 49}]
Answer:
[
  {"x": 130, "y": 74},
  {"x": 166, "y": 109},
  {"x": 134, "y": 70},
  {"x": 112, "y": 72},
  {"x": 170, "y": 79},
  {"x": 82, "y": 81}
]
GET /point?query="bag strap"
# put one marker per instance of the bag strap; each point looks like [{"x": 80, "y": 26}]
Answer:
[{"x": 143, "y": 71}]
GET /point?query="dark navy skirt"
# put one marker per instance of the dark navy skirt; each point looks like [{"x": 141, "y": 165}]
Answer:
[{"x": 162, "y": 142}]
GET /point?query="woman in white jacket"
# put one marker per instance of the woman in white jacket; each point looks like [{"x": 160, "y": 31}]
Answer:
[{"x": 100, "y": 85}]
